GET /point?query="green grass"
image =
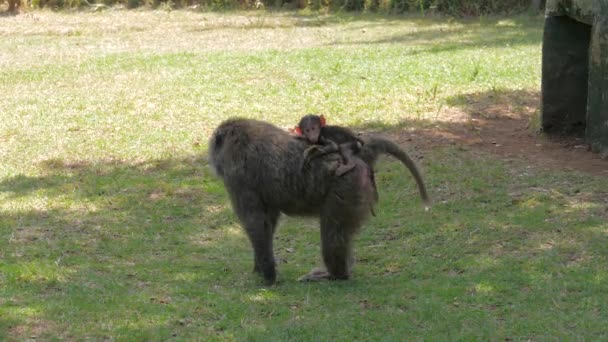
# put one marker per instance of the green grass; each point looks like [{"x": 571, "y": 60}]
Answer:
[{"x": 112, "y": 226}]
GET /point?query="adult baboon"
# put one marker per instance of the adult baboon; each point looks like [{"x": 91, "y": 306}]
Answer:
[{"x": 260, "y": 166}]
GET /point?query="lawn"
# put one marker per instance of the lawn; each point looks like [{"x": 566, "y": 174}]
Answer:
[{"x": 112, "y": 226}]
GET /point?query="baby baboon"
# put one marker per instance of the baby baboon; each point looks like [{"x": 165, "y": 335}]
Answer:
[
  {"x": 325, "y": 138},
  {"x": 314, "y": 129},
  {"x": 260, "y": 167}
]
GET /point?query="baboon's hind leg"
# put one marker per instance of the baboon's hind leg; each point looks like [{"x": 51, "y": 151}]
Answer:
[
  {"x": 336, "y": 247},
  {"x": 339, "y": 222},
  {"x": 260, "y": 224}
]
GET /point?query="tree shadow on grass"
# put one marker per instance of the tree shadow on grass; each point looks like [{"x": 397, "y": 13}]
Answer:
[
  {"x": 107, "y": 232},
  {"x": 509, "y": 228},
  {"x": 503, "y": 122},
  {"x": 153, "y": 249},
  {"x": 463, "y": 34},
  {"x": 507, "y": 122},
  {"x": 380, "y": 19},
  {"x": 454, "y": 34}
]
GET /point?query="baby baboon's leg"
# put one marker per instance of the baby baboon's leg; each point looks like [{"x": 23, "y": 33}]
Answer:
[
  {"x": 344, "y": 168},
  {"x": 315, "y": 151},
  {"x": 346, "y": 151},
  {"x": 260, "y": 224}
]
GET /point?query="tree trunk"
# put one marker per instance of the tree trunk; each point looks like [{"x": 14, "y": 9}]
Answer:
[
  {"x": 14, "y": 5},
  {"x": 537, "y": 5}
]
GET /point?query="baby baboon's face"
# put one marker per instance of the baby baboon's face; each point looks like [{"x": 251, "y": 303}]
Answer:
[
  {"x": 311, "y": 128},
  {"x": 312, "y": 133}
]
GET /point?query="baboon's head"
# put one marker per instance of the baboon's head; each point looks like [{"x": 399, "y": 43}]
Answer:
[{"x": 310, "y": 127}]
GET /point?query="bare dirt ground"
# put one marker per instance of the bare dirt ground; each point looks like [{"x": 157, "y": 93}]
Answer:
[{"x": 505, "y": 124}]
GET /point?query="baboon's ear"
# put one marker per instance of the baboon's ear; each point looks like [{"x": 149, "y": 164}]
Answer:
[
  {"x": 322, "y": 120},
  {"x": 297, "y": 130}
]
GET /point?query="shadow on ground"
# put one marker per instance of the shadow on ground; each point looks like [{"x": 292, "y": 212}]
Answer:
[
  {"x": 93, "y": 237},
  {"x": 469, "y": 34},
  {"x": 131, "y": 244},
  {"x": 502, "y": 122}
]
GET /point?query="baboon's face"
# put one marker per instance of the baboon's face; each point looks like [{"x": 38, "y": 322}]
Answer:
[{"x": 312, "y": 132}]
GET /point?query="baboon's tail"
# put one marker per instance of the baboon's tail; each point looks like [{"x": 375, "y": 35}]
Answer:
[{"x": 374, "y": 146}]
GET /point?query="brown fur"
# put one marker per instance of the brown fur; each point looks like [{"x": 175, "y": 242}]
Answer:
[{"x": 260, "y": 166}]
